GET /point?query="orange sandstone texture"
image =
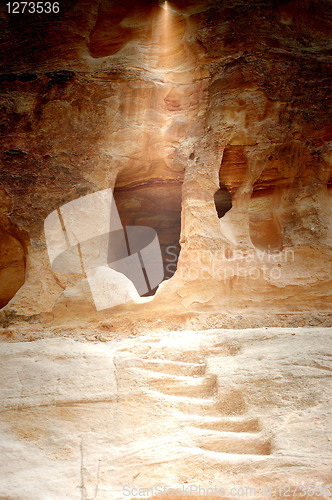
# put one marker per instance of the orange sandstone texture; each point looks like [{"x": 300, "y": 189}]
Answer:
[{"x": 168, "y": 106}]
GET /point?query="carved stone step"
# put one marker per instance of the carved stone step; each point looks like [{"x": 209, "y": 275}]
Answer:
[
  {"x": 167, "y": 366},
  {"x": 227, "y": 424},
  {"x": 232, "y": 442},
  {"x": 181, "y": 385},
  {"x": 205, "y": 406}
]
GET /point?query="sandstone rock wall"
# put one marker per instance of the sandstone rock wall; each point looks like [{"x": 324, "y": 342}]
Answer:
[{"x": 165, "y": 104}]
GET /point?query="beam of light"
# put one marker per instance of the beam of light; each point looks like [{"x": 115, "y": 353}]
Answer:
[{"x": 165, "y": 34}]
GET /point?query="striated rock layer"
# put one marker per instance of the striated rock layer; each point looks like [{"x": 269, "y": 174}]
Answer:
[{"x": 210, "y": 122}]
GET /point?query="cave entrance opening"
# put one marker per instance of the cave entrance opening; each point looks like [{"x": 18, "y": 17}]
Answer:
[
  {"x": 155, "y": 204},
  {"x": 12, "y": 267},
  {"x": 222, "y": 200}
]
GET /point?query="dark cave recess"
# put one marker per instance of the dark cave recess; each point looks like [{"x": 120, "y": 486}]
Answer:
[{"x": 157, "y": 205}]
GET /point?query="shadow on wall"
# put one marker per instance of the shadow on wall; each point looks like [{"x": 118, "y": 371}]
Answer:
[
  {"x": 264, "y": 228},
  {"x": 12, "y": 267}
]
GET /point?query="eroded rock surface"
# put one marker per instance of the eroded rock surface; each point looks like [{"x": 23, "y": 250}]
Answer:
[
  {"x": 219, "y": 408},
  {"x": 165, "y": 104}
]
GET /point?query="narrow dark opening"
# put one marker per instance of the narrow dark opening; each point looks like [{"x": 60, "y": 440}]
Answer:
[
  {"x": 329, "y": 185},
  {"x": 12, "y": 267},
  {"x": 222, "y": 200},
  {"x": 156, "y": 205}
]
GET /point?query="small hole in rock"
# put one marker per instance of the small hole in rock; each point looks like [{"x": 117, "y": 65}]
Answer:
[{"x": 222, "y": 201}]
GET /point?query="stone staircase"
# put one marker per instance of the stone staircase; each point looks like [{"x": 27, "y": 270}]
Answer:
[{"x": 211, "y": 419}]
